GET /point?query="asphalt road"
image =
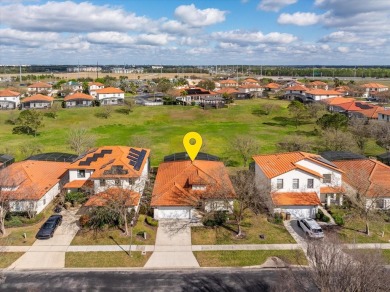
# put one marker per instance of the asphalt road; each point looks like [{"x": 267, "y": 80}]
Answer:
[{"x": 147, "y": 280}]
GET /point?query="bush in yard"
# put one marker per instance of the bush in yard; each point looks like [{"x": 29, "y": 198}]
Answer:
[
  {"x": 150, "y": 221},
  {"x": 100, "y": 217},
  {"x": 84, "y": 219},
  {"x": 217, "y": 218},
  {"x": 338, "y": 219},
  {"x": 75, "y": 198},
  {"x": 278, "y": 218},
  {"x": 325, "y": 218}
]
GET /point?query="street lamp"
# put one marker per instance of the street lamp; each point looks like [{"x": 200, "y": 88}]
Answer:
[{"x": 131, "y": 235}]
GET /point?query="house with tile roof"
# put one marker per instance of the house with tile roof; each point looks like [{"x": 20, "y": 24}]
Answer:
[
  {"x": 93, "y": 86},
  {"x": 200, "y": 96},
  {"x": 360, "y": 109},
  {"x": 38, "y": 87},
  {"x": 321, "y": 94},
  {"x": 37, "y": 101},
  {"x": 384, "y": 115},
  {"x": 31, "y": 185},
  {"x": 78, "y": 99},
  {"x": 295, "y": 92},
  {"x": 110, "y": 96},
  {"x": 317, "y": 85},
  {"x": 299, "y": 182},
  {"x": 251, "y": 88},
  {"x": 372, "y": 88},
  {"x": 369, "y": 178},
  {"x": 181, "y": 187},
  {"x": 107, "y": 167},
  {"x": 272, "y": 86},
  {"x": 9, "y": 99},
  {"x": 227, "y": 83},
  {"x": 250, "y": 81},
  {"x": 73, "y": 86}
]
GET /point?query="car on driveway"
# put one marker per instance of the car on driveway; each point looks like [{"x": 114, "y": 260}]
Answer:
[
  {"x": 310, "y": 227},
  {"x": 47, "y": 229}
]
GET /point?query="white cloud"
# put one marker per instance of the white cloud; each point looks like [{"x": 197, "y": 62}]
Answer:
[
  {"x": 122, "y": 39},
  {"x": 343, "y": 50},
  {"x": 245, "y": 38},
  {"x": 300, "y": 18},
  {"x": 274, "y": 5},
  {"x": 29, "y": 39},
  {"x": 192, "y": 16},
  {"x": 348, "y": 8}
]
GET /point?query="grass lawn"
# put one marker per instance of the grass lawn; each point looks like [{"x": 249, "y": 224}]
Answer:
[
  {"x": 255, "y": 226},
  {"x": 164, "y": 127},
  {"x": 16, "y": 234},
  {"x": 115, "y": 236},
  {"x": 7, "y": 258},
  {"x": 353, "y": 229},
  {"x": 105, "y": 259},
  {"x": 241, "y": 258},
  {"x": 386, "y": 255}
]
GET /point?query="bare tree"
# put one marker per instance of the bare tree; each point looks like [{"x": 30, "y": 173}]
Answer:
[
  {"x": 380, "y": 131},
  {"x": 316, "y": 110},
  {"x": 28, "y": 150},
  {"x": 336, "y": 140},
  {"x": 80, "y": 140},
  {"x": 245, "y": 147},
  {"x": 295, "y": 143},
  {"x": 359, "y": 128},
  {"x": 268, "y": 108},
  {"x": 7, "y": 183},
  {"x": 333, "y": 270}
]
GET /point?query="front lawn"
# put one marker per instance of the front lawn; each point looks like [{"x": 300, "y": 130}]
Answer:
[
  {"x": 105, "y": 259},
  {"x": 254, "y": 226},
  {"x": 354, "y": 227},
  {"x": 386, "y": 255},
  {"x": 7, "y": 258},
  {"x": 241, "y": 258},
  {"x": 114, "y": 236}
]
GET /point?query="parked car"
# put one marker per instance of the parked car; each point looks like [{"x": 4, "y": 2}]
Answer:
[
  {"x": 48, "y": 228},
  {"x": 311, "y": 228}
]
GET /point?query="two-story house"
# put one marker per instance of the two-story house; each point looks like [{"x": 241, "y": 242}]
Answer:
[
  {"x": 9, "y": 99},
  {"x": 299, "y": 182},
  {"x": 384, "y": 115},
  {"x": 93, "y": 86},
  {"x": 110, "y": 96},
  {"x": 39, "y": 87},
  {"x": 110, "y": 169},
  {"x": 372, "y": 88}
]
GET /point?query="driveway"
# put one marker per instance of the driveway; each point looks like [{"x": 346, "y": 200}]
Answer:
[
  {"x": 173, "y": 246},
  {"x": 50, "y": 253},
  {"x": 297, "y": 233}
]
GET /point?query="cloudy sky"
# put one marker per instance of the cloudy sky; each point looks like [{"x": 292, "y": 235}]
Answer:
[{"x": 204, "y": 32}]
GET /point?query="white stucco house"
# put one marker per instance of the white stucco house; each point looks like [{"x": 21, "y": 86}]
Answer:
[
  {"x": 321, "y": 94},
  {"x": 37, "y": 101},
  {"x": 299, "y": 182},
  {"x": 108, "y": 170},
  {"x": 78, "y": 99},
  {"x": 93, "y": 86},
  {"x": 183, "y": 186},
  {"x": 9, "y": 99},
  {"x": 110, "y": 96},
  {"x": 39, "y": 87},
  {"x": 31, "y": 185},
  {"x": 373, "y": 88},
  {"x": 384, "y": 115}
]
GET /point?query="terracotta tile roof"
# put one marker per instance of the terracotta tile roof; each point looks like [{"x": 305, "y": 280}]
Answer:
[
  {"x": 276, "y": 164},
  {"x": 108, "y": 90},
  {"x": 295, "y": 199},
  {"x": 331, "y": 190},
  {"x": 173, "y": 183},
  {"x": 229, "y": 81},
  {"x": 128, "y": 197},
  {"x": 75, "y": 184},
  {"x": 374, "y": 85},
  {"x": 372, "y": 113},
  {"x": 296, "y": 88},
  {"x": 111, "y": 162},
  {"x": 34, "y": 178},
  {"x": 40, "y": 85},
  {"x": 227, "y": 90},
  {"x": 78, "y": 95},
  {"x": 95, "y": 83},
  {"x": 370, "y": 176},
  {"x": 338, "y": 100},
  {"x": 384, "y": 112},
  {"x": 272, "y": 85},
  {"x": 8, "y": 93},
  {"x": 322, "y": 92},
  {"x": 251, "y": 80},
  {"x": 250, "y": 86},
  {"x": 317, "y": 83},
  {"x": 37, "y": 97}
]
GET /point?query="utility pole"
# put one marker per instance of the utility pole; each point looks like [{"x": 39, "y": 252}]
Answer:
[
  {"x": 97, "y": 69},
  {"x": 20, "y": 73}
]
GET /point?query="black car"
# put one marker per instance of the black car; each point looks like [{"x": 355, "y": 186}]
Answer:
[{"x": 48, "y": 228}]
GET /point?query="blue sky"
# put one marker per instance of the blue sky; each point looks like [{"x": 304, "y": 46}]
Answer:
[{"x": 267, "y": 32}]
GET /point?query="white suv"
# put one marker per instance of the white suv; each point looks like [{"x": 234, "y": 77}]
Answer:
[{"x": 311, "y": 228}]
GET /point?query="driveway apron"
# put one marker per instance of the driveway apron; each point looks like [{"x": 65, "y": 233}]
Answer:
[{"x": 173, "y": 246}]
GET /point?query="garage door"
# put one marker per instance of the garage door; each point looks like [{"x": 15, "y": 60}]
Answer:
[
  {"x": 299, "y": 211},
  {"x": 172, "y": 213}
]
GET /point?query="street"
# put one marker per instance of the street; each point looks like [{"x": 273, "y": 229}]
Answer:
[{"x": 146, "y": 280}]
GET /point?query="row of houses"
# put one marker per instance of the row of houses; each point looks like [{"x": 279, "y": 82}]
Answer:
[{"x": 296, "y": 182}]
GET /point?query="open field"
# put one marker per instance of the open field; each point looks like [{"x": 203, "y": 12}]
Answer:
[
  {"x": 242, "y": 258},
  {"x": 164, "y": 128},
  {"x": 102, "y": 259}
]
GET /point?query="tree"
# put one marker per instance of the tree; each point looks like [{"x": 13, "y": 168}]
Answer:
[
  {"x": 334, "y": 270},
  {"x": 298, "y": 110},
  {"x": 380, "y": 131},
  {"x": 31, "y": 121},
  {"x": 335, "y": 121},
  {"x": 30, "y": 149},
  {"x": 80, "y": 140},
  {"x": 245, "y": 147},
  {"x": 268, "y": 108},
  {"x": 164, "y": 85},
  {"x": 316, "y": 110},
  {"x": 334, "y": 140},
  {"x": 53, "y": 110},
  {"x": 359, "y": 128},
  {"x": 294, "y": 143},
  {"x": 207, "y": 84}
]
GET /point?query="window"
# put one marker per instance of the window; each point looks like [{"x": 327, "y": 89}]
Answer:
[
  {"x": 279, "y": 183},
  {"x": 310, "y": 183},
  {"x": 327, "y": 178},
  {"x": 131, "y": 181},
  {"x": 117, "y": 182},
  {"x": 295, "y": 183},
  {"x": 80, "y": 173},
  {"x": 102, "y": 182}
]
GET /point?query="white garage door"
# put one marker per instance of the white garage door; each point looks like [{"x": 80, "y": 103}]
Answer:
[
  {"x": 172, "y": 213},
  {"x": 299, "y": 211}
]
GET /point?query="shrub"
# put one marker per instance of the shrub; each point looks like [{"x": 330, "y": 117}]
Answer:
[
  {"x": 278, "y": 218},
  {"x": 150, "y": 221},
  {"x": 338, "y": 219},
  {"x": 75, "y": 197},
  {"x": 217, "y": 218},
  {"x": 325, "y": 218},
  {"x": 84, "y": 219}
]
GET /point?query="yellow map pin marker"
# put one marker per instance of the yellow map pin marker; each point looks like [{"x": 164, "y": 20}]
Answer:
[{"x": 192, "y": 148}]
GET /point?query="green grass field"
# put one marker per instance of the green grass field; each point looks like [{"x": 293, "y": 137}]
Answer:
[{"x": 165, "y": 126}]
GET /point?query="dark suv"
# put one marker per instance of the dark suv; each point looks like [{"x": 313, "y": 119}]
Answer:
[{"x": 48, "y": 228}]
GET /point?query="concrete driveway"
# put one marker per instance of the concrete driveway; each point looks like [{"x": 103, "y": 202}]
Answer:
[
  {"x": 297, "y": 233},
  {"x": 50, "y": 253},
  {"x": 173, "y": 246}
]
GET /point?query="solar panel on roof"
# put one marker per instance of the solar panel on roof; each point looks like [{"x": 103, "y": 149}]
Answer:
[
  {"x": 140, "y": 159},
  {"x": 54, "y": 156},
  {"x": 184, "y": 156},
  {"x": 95, "y": 157},
  {"x": 341, "y": 155}
]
